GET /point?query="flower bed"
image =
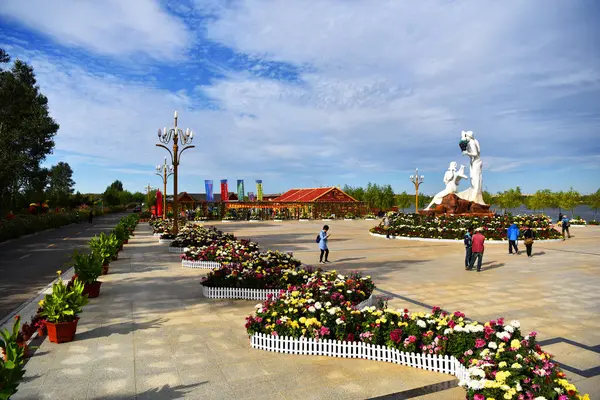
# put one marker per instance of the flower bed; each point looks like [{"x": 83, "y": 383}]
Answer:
[
  {"x": 496, "y": 360},
  {"x": 455, "y": 227},
  {"x": 578, "y": 222}
]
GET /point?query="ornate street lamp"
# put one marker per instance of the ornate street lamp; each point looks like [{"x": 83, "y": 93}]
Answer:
[
  {"x": 164, "y": 171},
  {"x": 417, "y": 180},
  {"x": 178, "y": 135}
]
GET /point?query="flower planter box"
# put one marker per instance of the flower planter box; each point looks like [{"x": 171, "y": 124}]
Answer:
[
  {"x": 165, "y": 241},
  {"x": 336, "y": 348},
  {"x": 455, "y": 240},
  {"x": 200, "y": 264},
  {"x": 177, "y": 250},
  {"x": 238, "y": 293},
  {"x": 92, "y": 289},
  {"x": 577, "y": 226},
  {"x": 369, "y": 219},
  {"x": 61, "y": 332}
]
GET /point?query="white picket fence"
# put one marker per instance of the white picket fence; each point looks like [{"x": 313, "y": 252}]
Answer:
[
  {"x": 177, "y": 250},
  {"x": 157, "y": 234},
  {"x": 165, "y": 241},
  {"x": 200, "y": 264},
  {"x": 336, "y": 348},
  {"x": 238, "y": 293}
]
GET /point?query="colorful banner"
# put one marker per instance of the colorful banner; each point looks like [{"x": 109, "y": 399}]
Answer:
[
  {"x": 240, "y": 189},
  {"x": 251, "y": 196},
  {"x": 224, "y": 191},
  {"x": 259, "y": 190},
  {"x": 208, "y": 186}
]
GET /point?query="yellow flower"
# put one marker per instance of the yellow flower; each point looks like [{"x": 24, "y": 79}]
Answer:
[
  {"x": 295, "y": 293},
  {"x": 274, "y": 314},
  {"x": 377, "y": 321},
  {"x": 294, "y": 324},
  {"x": 303, "y": 331},
  {"x": 59, "y": 272},
  {"x": 516, "y": 366},
  {"x": 41, "y": 303},
  {"x": 515, "y": 344},
  {"x": 501, "y": 376},
  {"x": 502, "y": 364}
]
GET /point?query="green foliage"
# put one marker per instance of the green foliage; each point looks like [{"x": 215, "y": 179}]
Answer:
[
  {"x": 593, "y": 201},
  {"x": 26, "y": 130},
  {"x": 11, "y": 369},
  {"x": 404, "y": 200},
  {"x": 88, "y": 267},
  {"x": 511, "y": 198},
  {"x": 569, "y": 200},
  {"x": 104, "y": 246},
  {"x": 65, "y": 302},
  {"x": 488, "y": 198},
  {"x": 374, "y": 195},
  {"x": 61, "y": 184}
]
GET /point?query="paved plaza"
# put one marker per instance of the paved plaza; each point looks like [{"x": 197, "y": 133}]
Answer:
[{"x": 151, "y": 333}]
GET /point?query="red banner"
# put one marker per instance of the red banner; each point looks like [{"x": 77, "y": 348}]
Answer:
[
  {"x": 224, "y": 191},
  {"x": 159, "y": 203}
]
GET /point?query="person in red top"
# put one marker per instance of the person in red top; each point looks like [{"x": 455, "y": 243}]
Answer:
[{"x": 477, "y": 250}]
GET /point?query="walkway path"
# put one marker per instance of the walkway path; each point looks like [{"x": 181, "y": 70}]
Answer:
[
  {"x": 151, "y": 335},
  {"x": 27, "y": 264}
]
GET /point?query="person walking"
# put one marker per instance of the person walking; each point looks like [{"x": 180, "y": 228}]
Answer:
[
  {"x": 529, "y": 237},
  {"x": 468, "y": 246},
  {"x": 477, "y": 250},
  {"x": 565, "y": 227},
  {"x": 91, "y": 216},
  {"x": 513, "y": 235},
  {"x": 386, "y": 226},
  {"x": 323, "y": 236}
]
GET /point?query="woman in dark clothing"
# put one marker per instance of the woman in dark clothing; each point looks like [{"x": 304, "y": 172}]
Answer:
[{"x": 529, "y": 237}]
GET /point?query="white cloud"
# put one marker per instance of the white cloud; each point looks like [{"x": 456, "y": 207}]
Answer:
[{"x": 110, "y": 27}]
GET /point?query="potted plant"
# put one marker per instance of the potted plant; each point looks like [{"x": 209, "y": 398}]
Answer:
[
  {"x": 11, "y": 361},
  {"x": 61, "y": 307},
  {"x": 88, "y": 267},
  {"x": 104, "y": 248}
]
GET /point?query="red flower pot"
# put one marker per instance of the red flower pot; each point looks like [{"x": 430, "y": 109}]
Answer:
[
  {"x": 126, "y": 241},
  {"x": 61, "y": 332},
  {"x": 42, "y": 331},
  {"x": 92, "y": 289},
  {"x": 105, "y": 269}
]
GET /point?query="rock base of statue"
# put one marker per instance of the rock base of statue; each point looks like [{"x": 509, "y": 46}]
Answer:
[{"x": 452, "y": 204}]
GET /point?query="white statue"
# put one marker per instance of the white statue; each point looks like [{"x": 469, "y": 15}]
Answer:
[
  {"x": 451, "y": 179},
  {"x": 475, "y": 192}
]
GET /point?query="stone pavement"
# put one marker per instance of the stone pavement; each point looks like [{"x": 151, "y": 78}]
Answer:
[{"x": 151, "y": 335}]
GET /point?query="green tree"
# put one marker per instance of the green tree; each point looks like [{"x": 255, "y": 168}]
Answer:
[
  {"x": 117, "y": 185},
  {"x": 372, "y": 195},
  {"x": 26, "y": 128},
  {"x": 404, "y": 200},
  {"x": 424, "y": 200},
  {"x": 488, "y": 198},
  {"x": 569, "y": 200},
  {"x": 387, "y": 198},
  {"x": 61, "y": 184},
  {"x": 593, "y": 201},
  {"x": 511, "y": 198}
]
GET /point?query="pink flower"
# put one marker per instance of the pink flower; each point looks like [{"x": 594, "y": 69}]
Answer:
[
  {"x": 479, "y": 397},
  {"x": 479, "y": 343}
]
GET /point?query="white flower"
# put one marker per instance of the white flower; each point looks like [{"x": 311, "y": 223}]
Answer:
[
  {"x": 312, "y": 309},
  {"x": 258, "y": 305},
  {"x": 540, "y": 398},
  {"x": 318, "y": 305},
  {"x": 331, "y": 311},
  {"x": 509, "y": 328},
  {"x": 421, "y": 323},
  {"x": 447, "y": 331},
  {"x": 515, "y": 324},
  {"x": 339, "y": 321},
  {"x": 492, "y": 345},
  {"x": 328, "y": 304},
  {"x": 474, "y": 371}
]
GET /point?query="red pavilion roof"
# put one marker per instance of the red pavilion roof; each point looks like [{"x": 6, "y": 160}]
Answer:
[{"x": 306, "y": 195}]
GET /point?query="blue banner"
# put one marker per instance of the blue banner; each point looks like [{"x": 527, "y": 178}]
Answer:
[{"x": 208, "y": 185}]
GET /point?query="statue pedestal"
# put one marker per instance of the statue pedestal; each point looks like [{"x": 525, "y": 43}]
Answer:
[{"x": 454, "y": 205}]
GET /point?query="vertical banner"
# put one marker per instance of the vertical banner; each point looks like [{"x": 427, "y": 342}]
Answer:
[
  {"x": 240, "y": 189},
  {"x": 159, "y": 203},
  {"x": 251, "y": 196},
  {"x": 208, "y": 185},
  {"x": 259, "y": 190},
  {"x": 224, "y": 191}
]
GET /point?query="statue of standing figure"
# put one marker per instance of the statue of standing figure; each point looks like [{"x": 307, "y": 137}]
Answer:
[
  {"x": 451, "y": 179},
  {"x": 473, "y": 151}
]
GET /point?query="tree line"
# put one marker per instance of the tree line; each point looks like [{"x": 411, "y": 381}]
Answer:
[
  {"x": 383, "y": 197},
  {"x": 26, "y": 138}
]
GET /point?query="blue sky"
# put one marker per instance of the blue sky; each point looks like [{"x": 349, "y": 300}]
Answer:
[{"x": 301, "y": 93}]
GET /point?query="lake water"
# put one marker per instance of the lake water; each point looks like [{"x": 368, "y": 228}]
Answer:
[{"x": 584, "y": 212}]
